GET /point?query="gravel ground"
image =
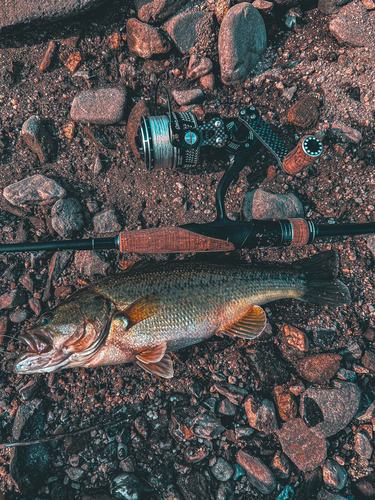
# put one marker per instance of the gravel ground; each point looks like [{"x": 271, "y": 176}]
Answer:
[{"x": 171, "y": 464}]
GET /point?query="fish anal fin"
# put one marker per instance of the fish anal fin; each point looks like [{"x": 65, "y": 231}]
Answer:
[
  {"x": 163, "y": 369},
  {"x": 153, "y": 354},
  {"x": 250, "y": 325},
  {"x": 141, "y": 309}
]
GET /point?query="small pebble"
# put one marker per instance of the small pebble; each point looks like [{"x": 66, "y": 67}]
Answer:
[
  {"x": 222, "y": 470},
  {"x": 334, "y": 475},
  {"x": 362, "y": 445}
]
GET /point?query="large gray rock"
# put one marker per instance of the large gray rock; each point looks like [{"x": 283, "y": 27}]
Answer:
[
  {"x": 16, "y": 12},
  {"x": 261, "y": 205},
  {"x": 99, "y": 106},
  {"x": 67, "y": 217},
  {"x": 90, "y": 263},
  {"x": 34, "y": 189},
  {"x": 242, "y": 40}
]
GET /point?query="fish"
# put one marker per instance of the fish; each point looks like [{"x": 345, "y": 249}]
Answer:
[{"x": 141, "y": 315}]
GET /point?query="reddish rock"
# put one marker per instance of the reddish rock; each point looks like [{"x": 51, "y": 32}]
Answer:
[
  {"x": 207, "y": 82},
  {"x": 34, "y": 189},
  {"x": 354, "y": 25},
  {"x": 90, "y": 263},
  {"x": 233, "y": 393},
  {"x": 221, "y": 9},
  {"x": 301, "y": 445},
  {"x": 305, "y": 112},
  {"x": 12, "y": 299},
  {"x": 295, "y": 338},
  {"x": 134, "y": 121},
  {"x": 4, "y": 325},
  {"x": 259, "y": 204},
  {"x": 102, "y": 106},
  {"x": 185, "y": 97},
  {"x": 190, "y": 29},
  {"x": 261, "y": 416},
  {"x": 157, "y": 10},
  {"x": 144, "y": 40},
  {"x": 319, "y": 368},
  {"x": 286, "y": 404},
  {"x": 368, "y": 360},
  {"x": 198, "y": 67},
  {"x": 257, "y": 472}
]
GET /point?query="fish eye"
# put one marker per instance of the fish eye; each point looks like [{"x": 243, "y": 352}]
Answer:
[{"x": 45, "y": 319}]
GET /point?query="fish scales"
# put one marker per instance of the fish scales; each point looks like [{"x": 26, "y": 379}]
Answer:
[{"x": 140, "y": 315}]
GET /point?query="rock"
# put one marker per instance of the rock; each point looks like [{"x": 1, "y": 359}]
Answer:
[
  {"x": 34, "y": 189},
  {"x": 18, "y": 316},
  {"x": 129, "y": 487},
  {"x": 263, "y": 6},
  {"x": 194, "y": 454},
  {"x": 225, "y": 407},
  {"x": 181, "y": 424},
  {"x": 334, "y": 475},
  {"x": 208, "y": 426},
  {"x": 74, "y": 473},
  {"x": 28, "y": 391},
  {"x": 233, "y": 393},
  {"x": 280, "y": 465},
  {"x": 134, "y": 121},
  {"x": 140, "y": 424},
  {"x": 30, "y": 465},
  {"x": 242, "y": 432},
  {"x": 4, "y": 326},
  {"x": 106, "y": 222},
  {"x": 67, "y": 217},
  {"x": 286, "y": 494},
  {"x": 27, "y": 281},
  {"x": 261, "y": 416},
  {"x": 222, "y": 470},
  {"x": 268, "y": 368},
  {"x": 362, "y": 445},
  {"x": 184, "y": 97},
  {"x": 301, "y": 445},
  {"x": 12, "y": 299},
  {"x": 370, "y": 241},
  {"x": 346, "y": 133},
  {"x": 35, "y": 306},
  {"x": 207, "y": 82},
  {"x": 337, "y": 407},
  {"x": 288, "y": 94},
  {"x": 364, "y": 488},
  {"x": 324, "y": 338},
  {"x": 319, "y": 368},
  {"x": 242, "y": 40},
  {"x": 305, "y": 112},
  {"x": 56, "y": 266},
  {"x": 36, "y": 135},
  {"x": 368, "y": 360},
  {"x": 25, "y": 12},
  {"x": 295, "y": 338},
  {"x": 258, "y": 474},
  {"x": 344, "y": 374},
  {"x": 99, "y": 106},
  {"x": 198, "y": 67},
  {"x": 354, "y": 25},
  {"x": 369, "y": 4},
  {"x": 368, "y": 415},
  {"x": 157, "y": 10},
  {"x": 225, "y": 491},
  {"x": 90, "y": 263},
  {"x": 194, "y": 486},
  {"x": 190, "y": 30},
  {"x": 326, "y": 495},
  {"x": 330, "y": 6},
  {"x": 144, "y": 40},
  {"x": 286, "y": 404},
  {"x": 259, "y": 204},
  {"x": 98, "y": 165}
]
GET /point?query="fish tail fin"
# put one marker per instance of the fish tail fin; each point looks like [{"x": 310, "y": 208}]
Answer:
[{"x": 319, "y": 273}]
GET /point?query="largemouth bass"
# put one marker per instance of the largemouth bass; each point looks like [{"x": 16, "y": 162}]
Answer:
[{"x": 142, "y": 314}]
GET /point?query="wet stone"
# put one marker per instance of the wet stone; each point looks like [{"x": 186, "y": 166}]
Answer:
[
  {"x": 242, "y": 40},
  {"x": 67, "y": 217},
  {"x": 305, "y": 112},
  {"x": 194, "y": 486},
  {"x": 280, "y": 465},
  {"x": 18, "y": 316},
  {"x": 233, "y": 393},
  {"x": 301, "y": 445},
  {"x": 259, "y": 204},
  {"x": 354, "y": 25},
  {"x": 368, "y": 360},
  {"x": 102, "y": 106},
  {"x": 198, "y": 67},
  {"x": 346, "y": 133},
  {"x": 12, "y": 299},
  {"x": 222, "y": 470},
  {"x": 225, "y": 407},
  {"x": 362, "y": 445},
  {"x": 184, "y": 97},
  {"x": 319, "y": 368},
  {"x": 261, "y": 416},
  {"x": 106, "y": 222},
  {"x": 129, "y": 487},
  {"x": 90, "y": 263},
  {"x": 144, "y": 40},
  {"x": 258, "y": 474},
  {"x": 34, "y": 189},
  {"x": 194, "y": 454},
  {"x": 334, "y": 475},
  {"x": 295, "y": 338},
  {"x": 327, "y": 411},
  {"x": 208, "y": 426},
  {"x": 189, "y": 29},
  {"x": 36, "y": 135},
  {"x": 267, "y": 367},
  {"x": 286, "y": 404}
]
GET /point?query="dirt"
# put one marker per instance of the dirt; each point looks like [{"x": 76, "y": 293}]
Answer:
[{"x": 339, "y": 187}]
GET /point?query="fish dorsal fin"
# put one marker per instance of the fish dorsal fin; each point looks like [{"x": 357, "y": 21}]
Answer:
[
  {"x": 152, "y": 355},
  {"x": 250, "y": 325},
  {"x": 163, "y": 369},
  {"x": 141, "y": 309}
]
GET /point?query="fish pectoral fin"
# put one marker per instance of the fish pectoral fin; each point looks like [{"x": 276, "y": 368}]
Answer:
[
  {"x": 152, "y": 355},
  {"x": 163, "y": 369},
  {"x": 141, "y": 309},
  {"x": 250, "y": 325}
]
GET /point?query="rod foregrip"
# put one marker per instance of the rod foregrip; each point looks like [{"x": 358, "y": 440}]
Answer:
[{"x": 170, "y": 240}]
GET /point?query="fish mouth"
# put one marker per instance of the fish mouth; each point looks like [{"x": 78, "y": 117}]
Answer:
[{"x": 41, "y": 355}]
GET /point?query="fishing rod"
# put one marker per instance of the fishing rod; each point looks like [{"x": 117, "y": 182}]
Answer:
[{"x": 177, "y": 139}]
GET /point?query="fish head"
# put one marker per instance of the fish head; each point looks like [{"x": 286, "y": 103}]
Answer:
[{"x": 67, "y": 336}]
